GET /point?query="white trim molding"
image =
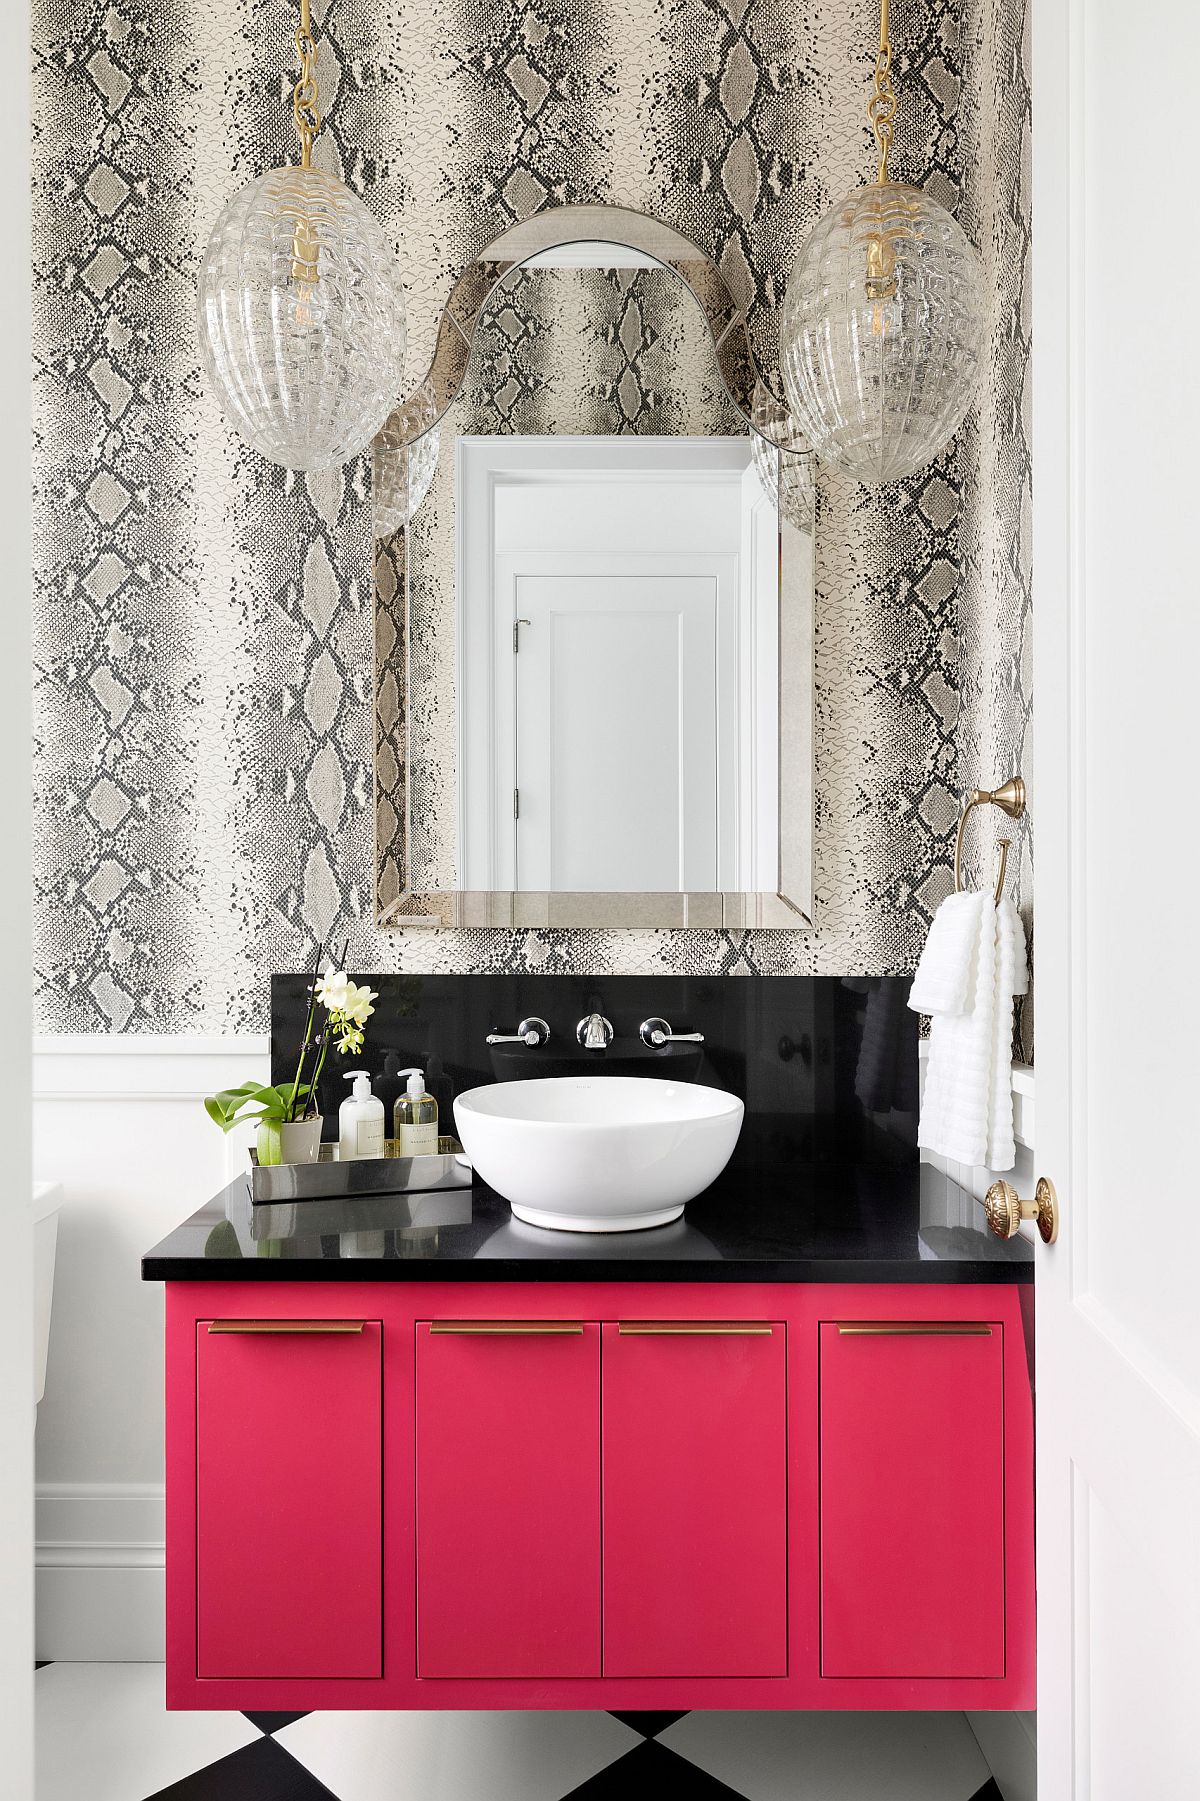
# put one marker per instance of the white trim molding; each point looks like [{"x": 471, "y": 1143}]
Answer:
[
  {"x": 119, "y": 1127},
  {"x": 100, "y": 1566},
  {"x": 104, "y": 1066}
]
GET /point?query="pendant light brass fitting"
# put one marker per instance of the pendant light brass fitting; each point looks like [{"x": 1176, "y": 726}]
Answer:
[
  {"x": 883, "y": 105},
  {"x": 304, "y": 95},
  {"x": 305, "y": 247}
]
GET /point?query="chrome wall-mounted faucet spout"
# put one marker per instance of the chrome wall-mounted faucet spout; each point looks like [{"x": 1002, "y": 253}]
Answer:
[{"x": 594, "y": 1033}]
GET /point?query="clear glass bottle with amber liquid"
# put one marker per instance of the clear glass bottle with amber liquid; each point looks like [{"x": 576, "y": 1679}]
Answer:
[{"x": 415, "y": 1118}]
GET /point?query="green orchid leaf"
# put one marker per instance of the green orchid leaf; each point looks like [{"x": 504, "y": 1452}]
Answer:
[
  {"x": 253, "y": 1101},
  {"x": 270, "y": 1142}
]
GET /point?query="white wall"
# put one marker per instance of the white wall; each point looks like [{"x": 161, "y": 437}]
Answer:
[
  {"x": 16, "y": 1264},
  {"x": 118, "y": 1121}
]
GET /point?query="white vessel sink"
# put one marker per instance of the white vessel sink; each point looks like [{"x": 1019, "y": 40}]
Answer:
[{"x": 598, "y": 1153}]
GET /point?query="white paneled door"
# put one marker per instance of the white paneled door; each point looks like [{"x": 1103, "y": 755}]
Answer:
[
  {"x": 1116, "y": 281},
  {"x": 617, "y": 626},
  {"x": 624, "y": 705}
]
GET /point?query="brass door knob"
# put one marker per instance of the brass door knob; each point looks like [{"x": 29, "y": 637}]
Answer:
[{"x": 1005, "y": 1209}]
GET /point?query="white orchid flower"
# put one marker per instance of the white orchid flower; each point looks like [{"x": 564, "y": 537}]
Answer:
[
  {"x": 357, "y": 1004},
  {"x": 333, "y": 988}
]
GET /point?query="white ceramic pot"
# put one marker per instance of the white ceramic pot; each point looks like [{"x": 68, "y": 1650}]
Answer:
[{"x": 299, "y": 1141}]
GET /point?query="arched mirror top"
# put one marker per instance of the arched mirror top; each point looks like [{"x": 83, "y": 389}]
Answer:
[{"x": 579, "y": 236}]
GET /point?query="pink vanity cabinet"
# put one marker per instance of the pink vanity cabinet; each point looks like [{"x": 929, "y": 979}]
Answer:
[{"x": 429, "y": 1494}]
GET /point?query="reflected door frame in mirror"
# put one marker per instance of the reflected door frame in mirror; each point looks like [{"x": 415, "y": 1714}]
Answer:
[{"x": 635, "y": 240}]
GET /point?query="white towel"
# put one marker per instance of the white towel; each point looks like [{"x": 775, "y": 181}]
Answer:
[{"x": 971, "y": 969}]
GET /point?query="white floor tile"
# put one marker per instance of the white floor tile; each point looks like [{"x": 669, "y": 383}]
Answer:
[
  {"x": 835, "y": 1756},
  {"x": 532, "y": 1756},
  {"x": 104, "y": 1733}
]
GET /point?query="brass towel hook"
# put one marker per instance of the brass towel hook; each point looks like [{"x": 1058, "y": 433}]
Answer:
[{"x": 1010, "y": 798}]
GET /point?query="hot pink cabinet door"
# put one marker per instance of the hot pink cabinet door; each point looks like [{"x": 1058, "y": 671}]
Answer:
[
  {"x": 288, "y": 1502},
  {"x": 912, "y": 1503},
  {"x": 695, "y": 1503},
  {"x": 508, "y": 1502}
]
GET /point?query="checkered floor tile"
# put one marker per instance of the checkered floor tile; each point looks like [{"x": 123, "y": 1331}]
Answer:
[{"x": 104, "y": 1732}]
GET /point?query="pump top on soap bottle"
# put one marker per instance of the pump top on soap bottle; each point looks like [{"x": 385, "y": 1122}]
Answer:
[
  {"x": 416, "y": 1118},
  {"x": 360, "y": 1121}
]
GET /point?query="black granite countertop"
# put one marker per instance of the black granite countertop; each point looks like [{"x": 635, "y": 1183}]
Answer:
[{"x": 816, "y": 1224}]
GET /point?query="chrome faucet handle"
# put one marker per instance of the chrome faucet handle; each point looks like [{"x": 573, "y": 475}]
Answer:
[
  {"x": 654, "y": 1033},
  {"x": 530, "y": 1031},
  {"x": 595, "y": 1033}
]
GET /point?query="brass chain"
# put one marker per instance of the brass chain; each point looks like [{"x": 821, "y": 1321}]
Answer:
[
  {"x": 304, "y": 94},
  {"x": 882, "y": 106}
]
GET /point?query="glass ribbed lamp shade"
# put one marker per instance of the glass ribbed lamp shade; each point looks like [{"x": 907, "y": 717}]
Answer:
[
  {"x": 882, "y": 331},
  {"x": 401, "y": 478},
  {"x": 785, "y": 465},
  {"x": 302, "y": 323}
]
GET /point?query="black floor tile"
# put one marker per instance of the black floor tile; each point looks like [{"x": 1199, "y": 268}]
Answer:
[
  {"x": 651, "y": 1769},
  {"x": 271, "y": 1722},
  {"x": 259, "y": 1772},
  {"x": 989, "y": 1792},
  {"x": 649, "y": 1724}
]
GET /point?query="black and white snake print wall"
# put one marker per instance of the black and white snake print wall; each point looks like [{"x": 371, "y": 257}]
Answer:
[{"x": 204, "y": 623}]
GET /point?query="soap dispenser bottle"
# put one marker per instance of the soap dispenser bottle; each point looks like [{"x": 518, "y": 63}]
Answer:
[
  {"x": 360, "y": 1121},
  {"x": 416, "y": 1118}
]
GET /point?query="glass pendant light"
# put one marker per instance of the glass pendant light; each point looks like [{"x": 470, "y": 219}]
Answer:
[
  {"x": 401, "y": 475},
  {"x": 784, "y": 465},
  {"x": 301, "y": 313},
  {"x": 882, "y": 327}
]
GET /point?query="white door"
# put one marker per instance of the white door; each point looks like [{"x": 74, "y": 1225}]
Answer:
[
  {"x": 1117, "y": 649},
  {"x": 624, "y": 726},
  {"x": 617, "y": 624}
]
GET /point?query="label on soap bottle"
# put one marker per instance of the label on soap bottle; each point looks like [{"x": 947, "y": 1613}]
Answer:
[
  {"x": 368, "y": 1138},
  {"x": 419, "y": 1141}
]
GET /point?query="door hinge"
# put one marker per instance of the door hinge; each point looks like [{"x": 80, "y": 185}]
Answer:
[
  {"x": 517, "y": 624},
  {"x": 516, "y": 803}
]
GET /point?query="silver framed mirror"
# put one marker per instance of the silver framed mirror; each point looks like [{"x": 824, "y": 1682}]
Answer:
[{"x": 594, "y": 605}]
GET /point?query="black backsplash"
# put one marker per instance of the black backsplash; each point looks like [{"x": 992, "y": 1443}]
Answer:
[{"x": 826, "y": 1065}]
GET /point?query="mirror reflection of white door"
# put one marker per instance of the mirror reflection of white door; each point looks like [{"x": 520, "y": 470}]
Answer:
[
  {"x": 625, "y": 709},
  {"x": 1117, "y": 647},
  {"x": 618, "y": 672}
]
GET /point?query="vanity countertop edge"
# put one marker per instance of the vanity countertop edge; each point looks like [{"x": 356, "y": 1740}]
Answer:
[{"x": 914, "y": 1226}]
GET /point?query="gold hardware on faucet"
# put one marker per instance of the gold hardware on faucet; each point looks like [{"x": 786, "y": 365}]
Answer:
[
  {"x": 288, "y": 1326},
  {"x": 1005, "y": 1209},
  {"x": 1010, "y": 798},
  {"x": 508, "y": 1328}
]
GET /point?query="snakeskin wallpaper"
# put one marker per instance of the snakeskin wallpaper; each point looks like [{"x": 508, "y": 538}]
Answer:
[{"x": 204, "y": 623}]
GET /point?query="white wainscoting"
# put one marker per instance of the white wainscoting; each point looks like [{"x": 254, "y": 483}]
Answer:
[{"x": 118, "y": 1121}]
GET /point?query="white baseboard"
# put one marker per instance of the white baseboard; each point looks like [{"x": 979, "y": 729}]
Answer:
[
  {"x": 100, "y": 1580},
  {"x": 1009, "y": 1744}
]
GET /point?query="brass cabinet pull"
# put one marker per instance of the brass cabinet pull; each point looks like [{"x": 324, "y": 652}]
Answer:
[
  {"x": 1005, "y": 1209},
  {"x": 914, "y": 1328},
  {"x": 506, "y": 1328},
  {"x": 288, "y": 1326},
  {"x": 693, "y": 1328}
]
